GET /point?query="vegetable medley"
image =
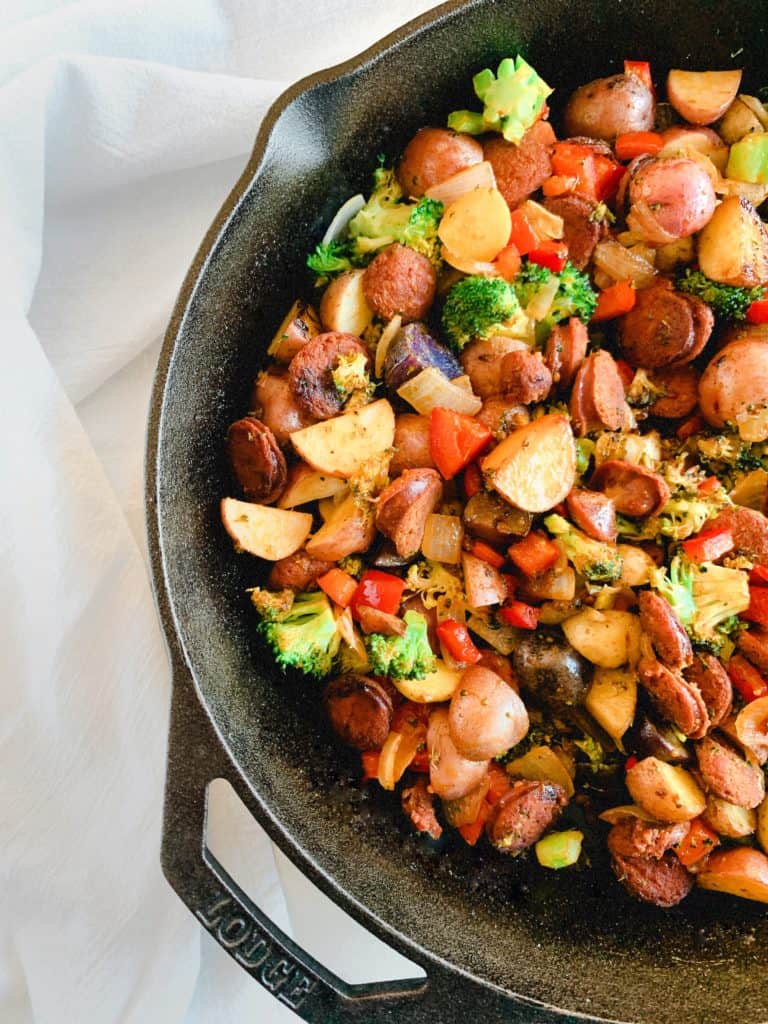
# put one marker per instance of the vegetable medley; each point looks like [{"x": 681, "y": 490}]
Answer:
[{"x": 511, "y": 477}]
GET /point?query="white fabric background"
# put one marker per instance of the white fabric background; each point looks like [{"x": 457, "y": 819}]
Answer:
[{"x": 123, "y": 125}]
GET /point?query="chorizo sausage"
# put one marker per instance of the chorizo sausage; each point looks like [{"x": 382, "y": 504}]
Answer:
[
  {"x": 749, "y": 529},
  {"x": 581, "y": 231},
  {"x": 310, "y": 373},
  {"x": 360, "y": 710},
  {"x": 523, "y": 814},
  {"x": 275, "y": 404},
  {"x": 663, "y": 882},
  {"x": 524, "y": 377},
  {"x": 411, "y": 444},
  {"x": 566, "y": 350},
  {"x": 665, "y": 327},
  {"x": 256, "y": 460},
  {"x": 594, "y": 513},
  {"x": 676, "y": 699},
  {"x": 502, "y": 416},
  {"x": 482, "y": 362},
  {"x": 753, "y": 644},
  {"x": 298, "y": 571},
  {"x": 669, "y": 199},
  {"x": 611, "y": 106},
  {"x": 680, "y": 392},
  {"x": 400, "y": 281},
  {"x": 521, "y": 169},
  {"x": 403, "y": 506},
  {"x": 666, "y": 632},
  {"x": 728, "y": 775},
  {"x": 635, "y": 490},
  {"x": 636, "y": 838},
  {"x": 597, "y": 398},
  {"x": 432, "y": 156},
  {"x": 374, "y": 620},
  {"x": 419, "y": 804},
  {"x": 714, "y": 685}
]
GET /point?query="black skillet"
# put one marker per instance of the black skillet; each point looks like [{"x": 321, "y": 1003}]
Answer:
[{"x": 499, "y": 940}]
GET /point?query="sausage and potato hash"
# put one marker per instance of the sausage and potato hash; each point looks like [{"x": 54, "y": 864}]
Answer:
[{"x": 510, "y": 474}]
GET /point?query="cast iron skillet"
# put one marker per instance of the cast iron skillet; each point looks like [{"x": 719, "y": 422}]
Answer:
[{"x": 497, "y": 939}]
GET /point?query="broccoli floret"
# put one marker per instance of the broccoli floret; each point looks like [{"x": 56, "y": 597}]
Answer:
[
  {"x": 707, "y": 598},
  {"x": 574, "y": 296},
  {"x": 596, "y": 560},
  {"x": 271, "y": 604},
  {"x": 302, "y": 635},
  {"x": 328, "y": 260},
  {"x": 353, "y": 564},
  {"x": 437, "y": 587},
  {"x": 402, "y": 657},
  {"x": 351, "y": 380},
  {"x": 477, "y": 307},
  {"x": 513, "y": 98},
  {"x": 642, "y": 391},
  {"x": 726, "y": 301},
  {"x": 387, "y": 218}
]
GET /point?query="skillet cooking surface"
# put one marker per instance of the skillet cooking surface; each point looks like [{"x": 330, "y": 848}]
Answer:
[{"x": 572, "y": 940}]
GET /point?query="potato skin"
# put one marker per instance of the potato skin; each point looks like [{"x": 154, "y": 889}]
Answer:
[
  {"x": 664, "y": 791},
  {"x": 740, "y": 872},
  {"x": 486, "y": 716},
  {"x": 432, "y": 156},
  {"x": 611, "y": 106},
  {"x": 735, "y": 380}
]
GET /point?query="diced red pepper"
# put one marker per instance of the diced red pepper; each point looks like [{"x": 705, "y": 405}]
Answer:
[
  {"x": 615, "y": 301},
  {"x": 520, "y": 614},
  {"x": 534, "y": 554},
  {"x": 420, "y": 762},
  {"x": 709, "y": 545},
  {"x": 487, "y": 553},
  {"x": 640, "y": 69},
  {"x": 370, "y": 759},
  {"x": 757, "y": 313},
  {"x": 522, "y": 236},
  {"x": 608, "y": 175},
  {"x": 471, "y": 833},
  {"x": 577, "y": 161},
  {"x": 473, "y": 480},
  {"x": 626, "y": 373},
  {"x": 697, "y": 843},
  {"x": 550, "y": 254},
  {"x": 758, "y": 606},
  {"x": 455, "y": 440},
  {"x": 338, "y": 585},
  {"x": 630, "y": 762},
  {"x": 559, "y": 185},
  {"x": 689, "y": 427},
  {"x": 508, "y": 262},
  {"x": 455, "y": 636},
  {"x": 378, "y": 589},
  {"x": 498, "y": 783},
  {"x": 759, "y": 575},
  {"x": 746, "y": 679},
  {"x": 634, "y": 144},
  {"x": 708, "y": 486}
]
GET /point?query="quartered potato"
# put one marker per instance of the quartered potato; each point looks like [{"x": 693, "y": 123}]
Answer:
[
  {"x": 733, "y": 247},
  {"x": 740, "y": 872},
  {"x": 342, "y": 445},
  {"x": 348, "y": 530},
  {"x": 438, "y": 686},
  {"x": 476, "y": 226},
  {"x": 608, "y": 639},
  {"x": 612, "y": 700},
  {"x": 535, "y": 467},
  {"x": 702, "y": 96},
  {"x": 728, "y": 819},
  {"x": 542, "y": 764},
  {"x": 343, "y": 306},
  {"x": 306, "y": 484},
  {"x": 665, "y": 791},
  {"x": 263, "y": 530}
]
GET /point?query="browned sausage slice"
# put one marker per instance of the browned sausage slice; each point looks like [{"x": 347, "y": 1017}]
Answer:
[
  {"x": 635, "y": 838},
  {"x": 432, "y": 156},
  {"x": 481, "y": 361},
  {"x": 400, "y": 281},
  {"x": 594, "y": 513},
  {"x": 663, "y": 882},
  {"x": 753, "y": 644},
  {"x": 256, "y": 460},
  {"x": 521, "y": 169},
  {"x": 524, "y": 377},
  {"x": 714, "y": 684},
  {"x": 403, "y": 506},
  {"x": 523, "y": 814},
  {"x": 728, "y": 775},
  {"x": 675, "y": 698},
  {"x": 360, "y": 710},
  {"x": 502, "y": 416},
  {"x": 597, "y": 398},
  {"x": 411, "y": 444},
  {"x": 581, "y": 231},
  {"x": 374, "y": 620},
  {"x": 703, "y": 325},
  {"x": 419, "y": 804},
  {"x": 680, "y": 385},
  {"x": 298, "y": 571},
  {"x": 275, "y": 404},
  {"x": 311, "y": 369},
  {"x": 749, "y": 529},
  {"x": 666, "y": 632},
  {"x": 566, "y": 350},
  {"x": 635, "y": 490},
  {"x": 659, "y": 330}
]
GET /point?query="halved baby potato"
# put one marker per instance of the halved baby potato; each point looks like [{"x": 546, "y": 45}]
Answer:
[
  {"x": 535, "y": 467},
  {"x": 477, "y": 225},
  {"x": 609, "y": 639},
  {"x": 263, "y": 530},
  {"x": 733, "y": 247},
  {"x": 343, "y": 306},
  {"x": 728, "y": 819},
  {"x": 741, "y": 872},
  {"x": 542, "y": 764},
  {"x": 348, "y": 530},
  {"x": 700, "y": 97},
  {"x": 666, "y": 791},
  {"x": 435, "y": 687},
  {"x": 612, "y": 699},
  {"x": 306, "y": 484},
  {"x": 342, "y": 445}
]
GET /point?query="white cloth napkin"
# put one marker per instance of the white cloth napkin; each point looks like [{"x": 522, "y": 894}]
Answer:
[{"x": 122, "y": 127}]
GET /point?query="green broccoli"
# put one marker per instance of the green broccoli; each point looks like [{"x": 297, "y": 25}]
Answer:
[
  {"x": 402, "y": 657},
  {"x": 437, "y": 587},
  {"x": 513, "y": 99},
  {"x": 352, "y": 381},
  {"x": 596, "y": 560},
  {"x": 302, "y": 633},
  {"x": 726, "y": 301},
  {"x": 574, "y": 296},
  {"x": 328, "y": 260},
  {"x": 642, "y": 391},
  {"x": 478, "y": 307},
  {"x": 353, "y": 564},
  {"x": 707, "y": 598}
]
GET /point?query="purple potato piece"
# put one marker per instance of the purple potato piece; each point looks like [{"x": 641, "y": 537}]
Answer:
[{"x": 413, "y": 349}]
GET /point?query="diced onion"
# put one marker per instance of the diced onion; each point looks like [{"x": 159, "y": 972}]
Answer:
[
  {"x": 477, "y": 268},
  {"x": 386, "y": 339},
  {"x": 546, "y": 225},
  {"x": 750, "y": 490},
  {"x": 483, "y": 584},
  {"x": 502, "y": 638},
  {"x": 479, "y": 175},
  {"x": 350, "y": 635},
  {"x": 431, "y": 388},
  {"x": 752, "y": 728},
  {"x": 442, "y": 539},
  {"x": 396, "y": 754},
  {"x": 757, "y": 109},
  {"x": 342, "y": 217},
  {"x": 542, "y": 301},
  {"x": 753, "y": 426},
  {"x": 621, "y": 264}
]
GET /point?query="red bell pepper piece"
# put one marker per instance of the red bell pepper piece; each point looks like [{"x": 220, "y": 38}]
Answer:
[
  {"x": 626, "y": 373},
  {"x": 757, "y": 313},
  {"x": 709, "y": 545},
  {"x": 608, "y": 175},
  {"x": 473, "y": 480},
  {"x": 522, "y": 235},
  {"x": 630, "y": 762},
  {"x": 615, "y": 301},
  {"x": 708, "y": 486},
  {"x": 746, "y": 679},
  {"x": 338, "y": 585},
  {"x": 472, "y": 832},
  {"x": 455, "y": 440},
  {"x": 455, "y": 636},
  {"x": 487, "y": 553},
  {"x": 534, "y": 554},
  {"x": 378, "y": 589},
  {"x": 577, "y": 161},
  {"x": 498, "y": 783},
  {"x": 559, "y": 185},
  {"x": 508, "y": 262},
  {"x": 370, "y": 759},
  {"x": 697, "y": 843},
  {"x": 550, "y": 254},
  {"x": 640, "y": 69},
  {"x": 520, "y": 614},
  {"x": 759, "y": 575},
  {"x": 758, "y": 606},
  {"x": 633, "y": 144}
]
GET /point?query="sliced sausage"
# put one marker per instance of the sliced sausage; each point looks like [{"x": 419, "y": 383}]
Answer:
[
  {"x": 432, "y": 156},
  {"x": 400, "y": 281},
  {"x": 419, "y": 804},
  {"x": 635, "y": 490},
  {"x": 680, "y": 387},
  {"x": 521, "y": 169},
  {"x": 403, "y": 506},
  {"x": 676, "y": 699},
  {"x": 581, "y": 231},
  {"x": 714, "y": 685},
  {"x": 665, "y": 327},
  {"x": 666, "y": 632},
  {"x": 597, "y": 398},
  {"x": 276, "y": 406},
  {"x": 360, "y": 710},
  {"x": 310, "y": 374},
  {"x": 482, "y": 362},
  {"x": 636, "y": 838},
  {"x": 594, "y": 513},
  {"x": 374, "y": 620},
  {"x": 524, "y": 377},
  {"x": 749, "y": 529},
  {"x": 670, "y": 199},
  {"x": 411, "y": 444},
  {"x": 502, "y": 416},
  {"x": 753, "y": 644},
  {"x": 298, "y": 571},
  {"x": 566, "y": 350},
  {"x": 663, "y": 882},
  {"x": 451, "y": 776},
  {"x": 524, "y": 813},
  {"x": 728, "y": 775},
  {"x": 611, "y": 106},
  {"x": 256, "y": 460},
  {"x": 486, "y": 716},
  {"x": 300, "y": 326}
]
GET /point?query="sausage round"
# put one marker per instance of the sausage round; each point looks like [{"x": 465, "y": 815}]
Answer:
[
  {"x": 502, "y": 416},
  {"x": 676, "y": 699},
  {"x": 411, "y": 444},
  {"x": 525, "y": 377},
  {"x": 581, "y": 232},
  {"x": 597, "y": 397},
  {"x": 310, "y": 372},
  {"x": 665, "y": 328},
  {"x": 486, "y": 716},
  {"x": 360, "y": 710},
  {"x": 521, "y": 169},
  {"x": 256, "y": 460},
  {"x": 482, "y": 362},
  {"x": 635, "y": 490},
  {"x": 403, "y": 506},
  {"x": 680, "y": 386},
  {"x": 728, "y": 775},
  {"x": 275, "y": 404},
  {"x": 374, "y": 620},
  {"x": 753, "y": 644},
  {"x": 450, "y": 775},
  {"x": 432, "y": 156},
  {"x": 594, "y": 513},
  {"x": 298, "y": 571},
  {"x": 714, "y": 685},
  {"x": 566, "y": 350},
  {"x": 670, "y": 199},
  {"x": 749, "y": 529},
  {"x": 523, "y": 814},
  {"x": 608, "y": 107},
  {"x": 400, "y": 281},
  {"x": 666, "y": 632},
  {"x": 663, "y": 882},
  {"x": 419, "y": 804},
  {"x": 636, "y": 838}
]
